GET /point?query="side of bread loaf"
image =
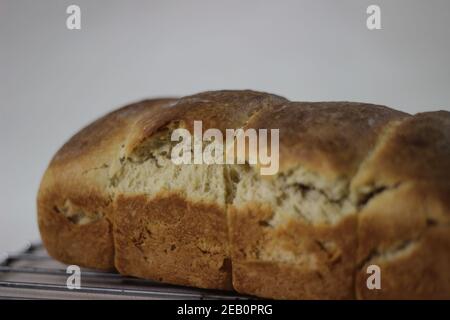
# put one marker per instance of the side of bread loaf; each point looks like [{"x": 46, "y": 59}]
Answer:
[{"x": 358, "y": 184}]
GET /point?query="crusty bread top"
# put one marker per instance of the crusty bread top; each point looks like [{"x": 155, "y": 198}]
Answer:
[
  {"x": 99, "y": 139},
  {"x": 85, "y": 167},
  {"x": 329, "y": 138},
  {"x": 415, "y": 149},
  {"x": 222, "y": 110},
  {"x": 82, "y": 164},
  {"x": 333, "y": 139}
]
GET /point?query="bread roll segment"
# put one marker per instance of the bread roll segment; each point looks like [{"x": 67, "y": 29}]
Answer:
[
  {"x": 303, "y": 240},
  {"x": 170, "y": 221},
  {"x": 75, "y": 199},
  {"x": 358, "y": 184},
  {"x": 404, "y": 226}
]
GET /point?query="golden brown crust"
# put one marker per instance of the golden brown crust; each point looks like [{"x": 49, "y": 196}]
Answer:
[
  {"x": 331, "y": 138},
  {"x": 226, "y": 109},
  {"x": 416, "y": 148},
  {"x": 406, "y": 232},
  {"x": 172, "y": 240},
  {"x": 88, "y": 245},
  {"x": 310, "y": 262},
  {"x": 100, "y": 140}
]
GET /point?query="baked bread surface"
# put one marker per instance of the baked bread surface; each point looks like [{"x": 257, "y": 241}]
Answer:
[{"x": 358, "y": 184}]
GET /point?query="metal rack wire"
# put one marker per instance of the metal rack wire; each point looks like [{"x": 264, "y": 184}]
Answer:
[{"x": 32, "y": 274}]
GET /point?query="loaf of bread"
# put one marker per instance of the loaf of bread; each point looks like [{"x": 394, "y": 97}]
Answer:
[{"x": 358, "y": 185}]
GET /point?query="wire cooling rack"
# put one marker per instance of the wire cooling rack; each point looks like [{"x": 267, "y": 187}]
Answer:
[{"x": 32, "y": 274}]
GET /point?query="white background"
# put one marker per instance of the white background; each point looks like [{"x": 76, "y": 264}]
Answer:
[{"x": 54, "y": 81}]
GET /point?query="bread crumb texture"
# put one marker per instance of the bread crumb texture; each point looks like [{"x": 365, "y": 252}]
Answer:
[{"x": 358, "y": 184}]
